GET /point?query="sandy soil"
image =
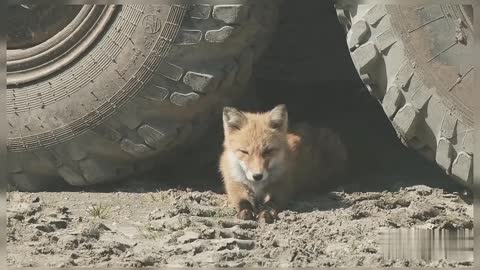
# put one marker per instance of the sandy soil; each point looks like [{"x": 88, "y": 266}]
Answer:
[{"x": 131, "y": 226}]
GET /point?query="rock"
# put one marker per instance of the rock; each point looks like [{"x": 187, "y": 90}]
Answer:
[
  {"x": 32, "y": 220},
  {"x": 192, "y": 248},
  {"x": 240, "y": 233},
  {"x": 68, "y": 242},
  {"x": 177, "y": 209},
  {"x": 358, "y": 214},
  {"x": 281, "y": 242},
  {"x": 52, "y": 215},
  {"x": 244, "y": 224},
  {"x": 63, "y": 210},
  {"x": 391, "y": 203},
  {"x": 157, "y": 214},
  {"x": 231, "y": 244},
  {"x": 25, "y": 209},
  {"x": 176, "y": 223},
  {"x": 426, "y": 226},
  {"x": 17, "y": 216},
  {"x": 424, "y": 211},
  {"x": 146, "y": 260},
  {"x": 455, "y": 224},
  {"x": 208, "y": 233},
  {"x": 368, "y": 196},
  {"x": 128, "y": 230},
  {"x": 230, "y": 264},
  {"x": 420, "y": 190},
  {"x": 58, "y": 223},
  {"x": 117, "y": 241},
  {"x": 370, "y": 250},
  {"x": 94, "y": 230},
  {"x": 402, "y": 202},
  {"x": 104, "y": 251},
  {"x": 196, "y": 197},
  {"x": 119, "y": 246},
  {"x": 203, "y": 211},
  {"x": 188, "y": 237},
  {"x": 44, "y": 228}
]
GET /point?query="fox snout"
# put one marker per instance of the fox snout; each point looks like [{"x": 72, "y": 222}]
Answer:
[
  {"x": 256, "y": 169},
  {"x": 256, "y": 176}
]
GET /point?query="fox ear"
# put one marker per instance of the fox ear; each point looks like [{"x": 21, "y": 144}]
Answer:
[
  {"x": 233, "y": 119},
  {"x": 279, "y": 118}
]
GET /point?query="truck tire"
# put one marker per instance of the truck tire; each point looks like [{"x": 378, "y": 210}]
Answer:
[
  {"x": 416, "y": 60},
  {"x": 119, "y": 87}
]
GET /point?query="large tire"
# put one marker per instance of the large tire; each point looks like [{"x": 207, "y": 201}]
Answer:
[
  {"x": 130, "y": 83},
  {"x": 416, "y": 60}
]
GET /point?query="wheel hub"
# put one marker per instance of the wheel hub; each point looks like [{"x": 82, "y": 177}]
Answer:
[{"x": 41, "y": 42}]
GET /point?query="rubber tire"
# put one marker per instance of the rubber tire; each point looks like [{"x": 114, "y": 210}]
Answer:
[
  {"x": 208, "y": 65},
  {"x": 411, "y": 58}
]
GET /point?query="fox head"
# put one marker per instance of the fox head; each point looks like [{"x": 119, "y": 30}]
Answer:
[{"x": 256, "y": 143}]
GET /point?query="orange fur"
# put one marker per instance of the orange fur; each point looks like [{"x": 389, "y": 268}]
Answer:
[{"x": 290, "y": 163}]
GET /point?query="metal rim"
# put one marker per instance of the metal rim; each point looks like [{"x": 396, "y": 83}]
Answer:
[{"x": 27, "y": 65}]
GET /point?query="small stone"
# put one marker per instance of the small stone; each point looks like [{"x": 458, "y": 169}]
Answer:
[
  {"x": 188, "y": 237},
  {"x": 358, "y": 214},
  {"x": 176, "y": 223},
  {"x": 32, "y": 220},
  {"x": 156, "y": 214},
  {"x": 240, "y": 233},
  {"x": 59, "y": 224},
  {"x": 25, "y": 209},
  {"x": 94, "y": 230},
  {"x": 63, "y": 210},
  {"x": 68, "y": 242},
  {"x": 17, "y": 216},
  {"x": 370, "y": 250},
  {"x": 421, "y": 190},
  {"x": 230, "y": 244},
  {"x": 402, "y": 202},
  {"x": 44, "y": 228},
  {"x": 368, "y": 196},
  {"x": 208, "y": 233},
  {"x": 244, "y": 224},
  {"x": 423, "y": 211},
  {"x": 147, "y": 260}
]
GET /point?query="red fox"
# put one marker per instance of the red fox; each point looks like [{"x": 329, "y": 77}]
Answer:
[{"x": 265, "y": 164}]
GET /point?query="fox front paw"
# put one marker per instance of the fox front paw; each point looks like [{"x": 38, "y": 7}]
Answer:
[
  {"x": 266, "y": 217},
  {"x": 246, "y": 214}
]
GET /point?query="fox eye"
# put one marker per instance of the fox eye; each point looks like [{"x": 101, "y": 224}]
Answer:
[
  {"x": 268, "y": 151},
  {"x": 243, "y": 151}
]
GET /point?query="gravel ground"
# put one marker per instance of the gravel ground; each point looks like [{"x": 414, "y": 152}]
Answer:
[{"x": 134, "y": 227}]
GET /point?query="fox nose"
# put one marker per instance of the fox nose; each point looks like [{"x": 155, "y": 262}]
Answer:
[{"x": 257, "y": 176}]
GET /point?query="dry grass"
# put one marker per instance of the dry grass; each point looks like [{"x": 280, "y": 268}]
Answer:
[{"x": 98, "y": 211}]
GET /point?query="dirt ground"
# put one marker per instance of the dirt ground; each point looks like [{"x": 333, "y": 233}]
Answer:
[{"x": 137, "y": 225}]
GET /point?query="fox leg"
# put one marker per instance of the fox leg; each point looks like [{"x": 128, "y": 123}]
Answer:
[
  {"x": 279, "y": 196},
  {"x": 241, "y": 198},
  {"x": 270, "y": 210},
  {"x": 274, "y": 202}
]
